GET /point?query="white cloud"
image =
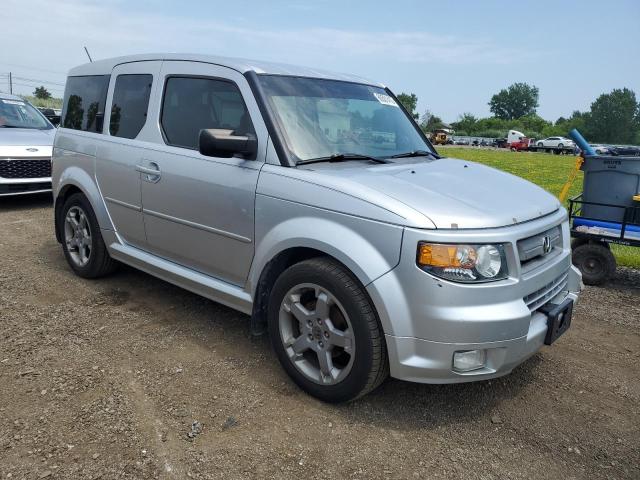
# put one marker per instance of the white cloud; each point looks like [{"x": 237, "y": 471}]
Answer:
[{"x": 51, "y": 35}]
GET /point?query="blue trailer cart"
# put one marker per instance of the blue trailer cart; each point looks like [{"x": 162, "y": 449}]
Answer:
[{"x": 607, "y": 211}]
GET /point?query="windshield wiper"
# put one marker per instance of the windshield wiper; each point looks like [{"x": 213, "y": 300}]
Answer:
[
  {"x": 9, "y": 126},
  {"x": 415, "y": 153},
  {"x": 341, "y": 157}
]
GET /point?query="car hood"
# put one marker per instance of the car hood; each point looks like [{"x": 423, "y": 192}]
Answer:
[
  {"x": 452, "y": 193},
  {"x": 26, "y": 136},
  {"x": 26, "y": 142}
]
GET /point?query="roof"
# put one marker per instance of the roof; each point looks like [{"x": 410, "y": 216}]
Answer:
[
  {"x": 9, "y": 96},
  {"x": 242, "y": 65}
]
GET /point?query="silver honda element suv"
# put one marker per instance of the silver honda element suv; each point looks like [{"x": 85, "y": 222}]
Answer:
[{"x": 314, "y": 203}]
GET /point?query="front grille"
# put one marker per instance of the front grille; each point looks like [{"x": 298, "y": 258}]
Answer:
[
  {"x": 532, "y": 247},
  {"x": 541, "y": 296},
  {"x": 532, "y": 252},
  {"x": 25, "y": 167}
]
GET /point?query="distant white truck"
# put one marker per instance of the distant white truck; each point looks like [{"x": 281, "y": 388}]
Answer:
[{"x": 514, "y": 136}]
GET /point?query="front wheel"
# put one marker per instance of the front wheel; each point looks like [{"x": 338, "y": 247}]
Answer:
[{"x": 325, "y": 331}]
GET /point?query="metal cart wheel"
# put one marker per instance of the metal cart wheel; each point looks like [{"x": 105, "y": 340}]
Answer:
[{"x": 595, "y": 261}]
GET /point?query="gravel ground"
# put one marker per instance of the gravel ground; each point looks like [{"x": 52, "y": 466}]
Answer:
[{"x": 130, "y": 377}]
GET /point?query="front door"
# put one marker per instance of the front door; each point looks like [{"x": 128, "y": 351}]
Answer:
[{"x": 199, "y": 210}]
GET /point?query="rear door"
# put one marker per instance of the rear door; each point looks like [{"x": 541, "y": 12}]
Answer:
[
  {"x": 199, "y": 210},
  {"x": 126, "y": 137}
]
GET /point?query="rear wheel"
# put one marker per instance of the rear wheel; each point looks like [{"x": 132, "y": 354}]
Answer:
[
  {"x": 82, "y": 242},
  {"x": 595, "y": 261},
  {"x": 325, "y": 331}
]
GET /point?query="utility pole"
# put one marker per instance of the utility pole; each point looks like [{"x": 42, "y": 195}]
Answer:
[{"x": 10, "y": 83}]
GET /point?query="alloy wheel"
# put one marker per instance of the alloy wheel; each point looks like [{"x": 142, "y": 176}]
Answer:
[
  {"x": 77, "y": 236},
  {"x": 317, "y": 334}
]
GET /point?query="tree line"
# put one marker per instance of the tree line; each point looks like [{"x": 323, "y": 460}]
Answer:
[{"x": 613, "y": 117}]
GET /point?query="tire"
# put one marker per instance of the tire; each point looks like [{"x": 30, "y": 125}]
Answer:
[
  {"x": 595, "y": 261},
  {"x": 540, "y": 144},
  {"x": 560, "y": 145},
  {"x": 82, "y": 244},
  {"x": 300, "y": 324}
]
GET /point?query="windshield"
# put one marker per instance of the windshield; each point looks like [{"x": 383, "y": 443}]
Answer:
[
  {"x": 320, "y": 118},
  {"x": 20, "y": 114}
]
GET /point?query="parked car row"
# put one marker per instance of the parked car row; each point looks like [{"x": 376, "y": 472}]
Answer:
[
  {"x": 629, "y": 151},
  {"x": 478, "y": 142}
]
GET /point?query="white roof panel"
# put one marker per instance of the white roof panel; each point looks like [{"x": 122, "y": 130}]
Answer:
[{"x": 104, "y": 67}]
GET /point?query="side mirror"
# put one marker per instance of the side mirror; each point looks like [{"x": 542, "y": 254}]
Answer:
[{"x": 215, "y": 142}]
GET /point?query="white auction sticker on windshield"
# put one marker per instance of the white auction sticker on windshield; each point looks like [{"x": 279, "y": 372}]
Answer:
[
  {"x": 12, "y": 102},
  {"x": 385, "y": 99}
]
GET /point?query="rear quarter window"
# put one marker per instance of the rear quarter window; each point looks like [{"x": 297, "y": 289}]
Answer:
[
  {"x": 84, "y": 103},
  {"x": 129, "y": 105}
]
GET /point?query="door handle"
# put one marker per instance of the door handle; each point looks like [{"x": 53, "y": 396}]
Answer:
[{"x": 151, "y": 173}]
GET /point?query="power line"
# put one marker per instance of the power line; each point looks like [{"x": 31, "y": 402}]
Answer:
[
  {"x": 28, "y": 81},
  {"x": 13, "y": 80},
  {"x": 39, "y": 80},
  {"x": 33, "y": 68}
]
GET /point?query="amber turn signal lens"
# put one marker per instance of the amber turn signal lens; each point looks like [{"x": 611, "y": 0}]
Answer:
[
  {"x": 446, "y": 256},
  {"x": 434, "y": 255}
]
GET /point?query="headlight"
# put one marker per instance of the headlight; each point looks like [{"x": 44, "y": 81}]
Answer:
[{"x": 463, "y": 263}]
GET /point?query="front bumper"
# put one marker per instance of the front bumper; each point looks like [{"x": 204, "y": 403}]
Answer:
[
  {"x": 23, "y": 186},
  {"x": 426, "y": 320},
  {"x": 424, "y": 361}
]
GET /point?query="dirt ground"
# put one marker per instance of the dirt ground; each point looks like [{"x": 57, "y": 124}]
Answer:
[{"x": 105, "y": 379}]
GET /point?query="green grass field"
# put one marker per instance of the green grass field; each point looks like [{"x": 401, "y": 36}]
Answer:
[
  {"x": 47, "y": 103},
  {"x": 549, "y": 171}
]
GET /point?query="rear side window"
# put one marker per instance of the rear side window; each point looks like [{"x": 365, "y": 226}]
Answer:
[
  {"x": 192, "y": 104},
  {"x": 129, "y": 105},
  {"x": 84, "y": 101}
]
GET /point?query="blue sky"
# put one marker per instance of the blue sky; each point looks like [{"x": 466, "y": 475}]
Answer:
[{"x": 453, "y": 55}]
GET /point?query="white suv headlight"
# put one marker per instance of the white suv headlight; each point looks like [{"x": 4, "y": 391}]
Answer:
[{"x": 463, "y": 263}]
